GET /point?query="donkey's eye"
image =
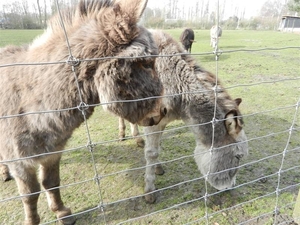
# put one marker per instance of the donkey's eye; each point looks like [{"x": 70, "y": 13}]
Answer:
[
  {"x": 121, "y": 62},
  {"x": 148, "y": 65}
]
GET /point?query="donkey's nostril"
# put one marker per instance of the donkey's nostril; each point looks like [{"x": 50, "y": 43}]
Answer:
[
  {"x": 239, "y": 156},
  {"x": 151, "y": 122},
  {"x": 164, "y": 111}
]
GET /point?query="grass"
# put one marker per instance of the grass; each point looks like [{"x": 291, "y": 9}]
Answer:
[
  {"x": 268, "y": 82},
  {"x": 18, "y": 37}
]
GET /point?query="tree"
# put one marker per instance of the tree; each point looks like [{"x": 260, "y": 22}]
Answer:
[
  {"x": 271, "y": 9},
  {"x": 18, "y": 15},
  {"x": 40, "y": 11},
  {"x": 45, "y": 13},
  {"x": 294, "y": 5},
  {"x": 173, "y": 10}
]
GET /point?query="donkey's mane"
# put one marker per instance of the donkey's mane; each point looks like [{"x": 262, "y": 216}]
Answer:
[
  {"x": 209, "y": 81},
  {"x": 85, "y": 10},
  {"x": 206, "y": 79},
  {"x": 89, "y": 7},
  {"x": 114, "y": 24}
]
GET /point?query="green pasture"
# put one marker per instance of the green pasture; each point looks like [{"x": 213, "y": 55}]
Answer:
[{"x": 268, "y": 81}]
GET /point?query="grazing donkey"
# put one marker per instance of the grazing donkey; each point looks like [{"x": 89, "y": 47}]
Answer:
[
  {"x": 215, "y": 34},
  {"x": 187, "y": 38},
  {"x": 196, "y": 107},
  {"x": 95, "y": 29}
]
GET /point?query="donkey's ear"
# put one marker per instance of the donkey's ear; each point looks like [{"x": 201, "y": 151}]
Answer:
[
  {"x": 134, "y": 8},
  {"x": 238, "y": 101},
  {"x": 231, "y": 123}
]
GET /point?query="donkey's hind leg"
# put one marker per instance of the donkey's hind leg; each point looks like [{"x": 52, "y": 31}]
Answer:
[
  {"x": 153, "y": 166},
  {"x": 29, "y": 189},
  {"x": 122, "y": 129},
  {"x": 135, "y": 133},
  {"x": 49, "y": 173}
]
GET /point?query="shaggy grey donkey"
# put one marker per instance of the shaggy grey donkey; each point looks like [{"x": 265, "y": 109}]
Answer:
[{"x": 201, "y": 102}]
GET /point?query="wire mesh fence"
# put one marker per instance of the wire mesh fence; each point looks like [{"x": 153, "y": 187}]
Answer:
[{"x": 102, "y": 179}]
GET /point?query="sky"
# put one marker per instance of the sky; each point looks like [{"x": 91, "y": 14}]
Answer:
[{"x": 251, "y": 7}]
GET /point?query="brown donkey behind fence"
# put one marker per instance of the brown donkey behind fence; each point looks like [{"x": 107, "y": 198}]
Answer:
[
  {"x": 94, "y": 29},
  {"x": 187, "y": 38}
]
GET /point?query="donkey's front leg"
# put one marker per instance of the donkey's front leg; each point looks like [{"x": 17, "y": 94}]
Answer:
[
  {"x": 49, "y": 172},
  {"x": 29, "y": 189},
  {"x": 153, "y": 167}
]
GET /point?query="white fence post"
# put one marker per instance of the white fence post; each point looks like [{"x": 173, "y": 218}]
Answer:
[{"x": 296, "y": 214}]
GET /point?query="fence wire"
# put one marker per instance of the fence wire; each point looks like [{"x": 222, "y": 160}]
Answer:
[
  {"x": 101, "y": 206},
  {"x": 99, "y": 212}
]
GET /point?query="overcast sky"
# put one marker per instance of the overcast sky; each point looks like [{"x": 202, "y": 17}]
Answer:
[{"x": 251, "y": 7}]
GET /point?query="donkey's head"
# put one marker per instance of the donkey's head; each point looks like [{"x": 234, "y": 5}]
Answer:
[
  {"x": 128, "y": 82},
  {"x": 221, "y": 162},
  {"x": 124, "y": 79}
]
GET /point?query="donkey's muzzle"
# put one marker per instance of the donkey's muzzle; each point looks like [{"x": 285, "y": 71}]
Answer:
[{"x": 153, "y": 118}]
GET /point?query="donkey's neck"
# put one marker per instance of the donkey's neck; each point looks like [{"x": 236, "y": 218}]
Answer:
[
  {"x": 54, "y": 86},
  {"x": 208, "y": 106}
]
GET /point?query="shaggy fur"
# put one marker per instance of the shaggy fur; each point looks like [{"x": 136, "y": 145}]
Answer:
[
  {"x": 187, "y": 38},
  {"x": 95, "y": 29},
  {"x": 196, "y": 106}
]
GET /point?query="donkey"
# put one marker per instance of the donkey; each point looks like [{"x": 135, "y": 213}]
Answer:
[
  {"x": 96, "y": 29},
  {"x": 215, "y": 34},
  {"x": 218, "y": 150},
  {"x": 187, "y": 38}
]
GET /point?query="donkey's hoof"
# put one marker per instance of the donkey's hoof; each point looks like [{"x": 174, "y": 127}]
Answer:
[
  {"x": 65, "y": 217},
  {"x": 150, "y": 198},
  {"x": 122, "y": 138},
  {"x": 33, "y": 221},
  {"x": 140, "y": 142},
  {"x": 68, "y": 221},
  {"x": 159, "y": 170}
]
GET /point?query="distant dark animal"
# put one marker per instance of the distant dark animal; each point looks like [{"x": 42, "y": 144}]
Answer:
[
  {"x": 30, "y": 136},
  {"x": 196, "y": 107},
  {"x": 187, "y": 38},
  {"x": 215, "y": 34}
]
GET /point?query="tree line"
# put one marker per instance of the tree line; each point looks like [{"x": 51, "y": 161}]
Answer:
[
  {"x": 24, "y": 14},
  {"x": 200, "y": 16}
]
